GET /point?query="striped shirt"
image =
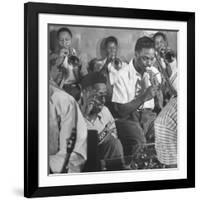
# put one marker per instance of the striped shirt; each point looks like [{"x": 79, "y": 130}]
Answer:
[{"x": 166, "y": 133}]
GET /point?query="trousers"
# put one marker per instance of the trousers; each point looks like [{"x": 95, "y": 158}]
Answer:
[{"x": 135, "y": 132}]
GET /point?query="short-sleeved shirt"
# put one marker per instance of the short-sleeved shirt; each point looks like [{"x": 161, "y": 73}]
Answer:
[
  {"x": 64, "y": 115},
  {"x": 141, "y": 82},
  {"x": 104, "y": 117}
]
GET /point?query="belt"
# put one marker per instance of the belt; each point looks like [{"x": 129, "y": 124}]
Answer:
[{"x": 143, "y": 109}]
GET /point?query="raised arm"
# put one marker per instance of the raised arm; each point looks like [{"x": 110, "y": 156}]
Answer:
[{"x": 124, "y": 110}]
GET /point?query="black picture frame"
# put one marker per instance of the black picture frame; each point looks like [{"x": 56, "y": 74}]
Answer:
[{"x": 31, "y": 12}]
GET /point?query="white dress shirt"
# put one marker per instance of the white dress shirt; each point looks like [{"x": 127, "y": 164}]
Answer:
[{"x": 128, "y": 84}]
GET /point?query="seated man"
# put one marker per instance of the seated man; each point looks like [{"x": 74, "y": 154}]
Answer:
[
  {"x": 64, "y": 117},
  {"x": 134, "y": 103},
  {"x": 137, "y": 115},
  {"x": 99, "y": 118},
  {"x": 166, "y": 131},
  {"x": 166, "y": 134}
]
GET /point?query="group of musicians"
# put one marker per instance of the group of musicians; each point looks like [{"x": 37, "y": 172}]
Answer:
[{"x": 129, "y": 105}]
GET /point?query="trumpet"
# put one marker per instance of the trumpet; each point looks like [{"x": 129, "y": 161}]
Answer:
[
  {"x": 116, "y": 62},
  {"x": 154, "y": 82},
  {"x": 153, "y": 78},
  {"x": 167, "y": 54},
  {"x": 165, "y": 77},
  {"x": 74, "y": 61}
]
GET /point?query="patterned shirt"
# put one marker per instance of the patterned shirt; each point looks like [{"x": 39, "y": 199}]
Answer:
[
  {"x": 104, "y": 117},
  {"x": 166, "y": 133}
]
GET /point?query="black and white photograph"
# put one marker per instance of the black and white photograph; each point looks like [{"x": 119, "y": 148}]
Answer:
[
  {"x": 112, "y": 99},
  {"x": 100, "y": 100},
  {"x": 110, "y": 96}
]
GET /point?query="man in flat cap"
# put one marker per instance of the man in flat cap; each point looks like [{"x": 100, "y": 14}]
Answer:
[{"x": 99, "y": 118}]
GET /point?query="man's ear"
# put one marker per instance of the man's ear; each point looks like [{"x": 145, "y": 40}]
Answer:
[
  {"x": 85, "y": 91},
  {"x": 85, "y": 95},
  {"x": 166, "y": 43},
  {"x": 136, "y": 54}
]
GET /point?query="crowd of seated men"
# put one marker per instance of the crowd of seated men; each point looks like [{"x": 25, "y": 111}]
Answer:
[{"x": 129, "y": 105}]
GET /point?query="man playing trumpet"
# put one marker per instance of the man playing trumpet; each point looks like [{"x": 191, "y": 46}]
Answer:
[{"x": 166, "y": 64}]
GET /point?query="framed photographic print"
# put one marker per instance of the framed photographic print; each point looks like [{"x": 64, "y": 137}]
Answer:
[{"x": 109, "y": 99}]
